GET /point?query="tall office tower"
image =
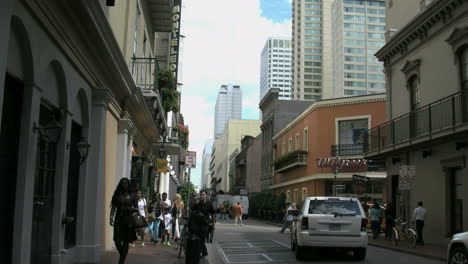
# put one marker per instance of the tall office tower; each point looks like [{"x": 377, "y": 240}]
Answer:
[
  {"x": 275, "y": 67},
  {"x": 205, "y": 169},
  {"x": 358, "y": 33},
  {"x": 228, "y": 106},
  {"x": 327, "y": 35}
]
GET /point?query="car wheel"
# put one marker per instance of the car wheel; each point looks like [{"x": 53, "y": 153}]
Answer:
[
  {"x": 360, "y": 253},
  {"x": 458, "y": 255},
  {"x": 293, "y": 243},
  {"x": 300, "y": 252}
]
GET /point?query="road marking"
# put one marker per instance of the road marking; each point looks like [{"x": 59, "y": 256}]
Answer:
[
  {"x": 250, "y": 245},
  {"x": 269, "y": 259},
  {"x": 282, "y": 244},
  {"x": 222, "y": 253}
]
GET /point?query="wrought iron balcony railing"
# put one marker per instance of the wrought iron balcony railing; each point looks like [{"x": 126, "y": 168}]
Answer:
[
  {"x": 145, "y": 73},
  {"x": 291, "y": 161},
  {"x": 347, "y": 150},
  {"x": 446, "y": 113}
]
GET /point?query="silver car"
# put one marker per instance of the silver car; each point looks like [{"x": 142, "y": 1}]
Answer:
[
  {"x": 457, "y": 252},
  {"x": 330, "y": 222}
]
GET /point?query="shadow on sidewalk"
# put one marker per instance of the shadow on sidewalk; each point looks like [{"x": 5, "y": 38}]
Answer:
[{"x": 428, "y": 250}]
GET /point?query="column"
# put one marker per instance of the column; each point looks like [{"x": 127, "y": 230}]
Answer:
[
  {"x": 26, "y": 172},
  {"x": 6, "y": 8},
  {"x": 60, "y": 189},
  {"x": 91, "y": 194},
  {"x": 124, "y": 150}
]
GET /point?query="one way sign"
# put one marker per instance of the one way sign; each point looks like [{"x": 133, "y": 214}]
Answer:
[{"x": 360, "y": 179}]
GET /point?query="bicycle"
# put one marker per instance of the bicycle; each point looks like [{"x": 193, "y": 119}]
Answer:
[
  {"x": 400, "y": 232},
  {"x": 183, "y": 238}
]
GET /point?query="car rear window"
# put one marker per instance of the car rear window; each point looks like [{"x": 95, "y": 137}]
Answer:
[{"x": 334, "y": 207}]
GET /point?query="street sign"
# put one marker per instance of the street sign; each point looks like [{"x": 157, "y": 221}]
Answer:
[
  {"x": 161, "y": 165},
  {"x": 359, "y": 188},
  {"x": 190, "y": 159},
  {"x": 339, "y": 187},
  {"x": 360, "y": 179}
]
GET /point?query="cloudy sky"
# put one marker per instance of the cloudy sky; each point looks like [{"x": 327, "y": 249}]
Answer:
[{"x": 222, "y": 45}]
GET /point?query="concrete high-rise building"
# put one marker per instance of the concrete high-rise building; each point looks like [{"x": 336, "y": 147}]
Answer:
[
  {"x": 228, "y": 106},
  {"x": 358, "y": 33},
  {"x": 205, "y": 169},
  {"x": 275, "y": 67},
  {"x": 334, "y": 43}
]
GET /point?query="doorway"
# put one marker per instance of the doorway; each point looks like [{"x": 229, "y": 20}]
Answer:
[
  {"x": 73, "y": 183},
  {"x": 44, "y": 179},
  {"x": 10, "y": 140},
  {"x": 455, "y": 200}
]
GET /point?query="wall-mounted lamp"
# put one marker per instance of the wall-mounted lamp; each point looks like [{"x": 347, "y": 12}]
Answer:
[
  {"x": 426, "y": 153},
  {"x": 396, "y": 160},
  {"x": 83, "y": 148},
  {"x": 460, "y": 145}
]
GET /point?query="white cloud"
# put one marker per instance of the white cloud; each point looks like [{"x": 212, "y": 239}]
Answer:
[{"x": 224, "y": 39}]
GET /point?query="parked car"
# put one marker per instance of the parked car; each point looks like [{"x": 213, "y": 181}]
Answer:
[
  {"x": 330, "y": 222},
  {"x": 457, "y": 252}
]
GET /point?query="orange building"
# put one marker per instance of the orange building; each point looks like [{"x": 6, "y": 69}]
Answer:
[{"x": 329, "y": 129}]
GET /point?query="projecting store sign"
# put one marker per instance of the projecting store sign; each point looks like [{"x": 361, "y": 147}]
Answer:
[
  {"x": 190, "y": 159},
  {"x": 175, "y": 36}
]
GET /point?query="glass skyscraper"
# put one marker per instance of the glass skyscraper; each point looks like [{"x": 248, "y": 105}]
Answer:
[{"x": 228, "y": 106}]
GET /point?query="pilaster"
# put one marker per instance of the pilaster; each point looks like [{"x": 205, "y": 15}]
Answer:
[
  {"x": 89, "y": 232},
  {"x": 26, "y": 172},
  {"x": 6, "y": 7}
]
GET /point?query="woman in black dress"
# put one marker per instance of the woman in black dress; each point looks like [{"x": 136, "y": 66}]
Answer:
[{"x": 123, "y": 205}]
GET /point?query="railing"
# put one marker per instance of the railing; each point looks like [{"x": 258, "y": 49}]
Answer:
[
  {"x": 443, "y": 114},
  {"x": 145, "y": 73},
  {"x": 291, "y": 161},
  {"x": 347, "y": 150}
]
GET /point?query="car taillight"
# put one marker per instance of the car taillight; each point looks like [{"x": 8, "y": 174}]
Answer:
[
  {"x": 364, "y": 224},
  {"x": 305, "y": 223}
]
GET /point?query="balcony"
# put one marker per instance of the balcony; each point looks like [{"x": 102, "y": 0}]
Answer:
[
  {"x": 145, "y": 72},
  {"x": 443, "y": 118},
  {"x": 291, "y": 161},
  {"x": 347, "y": 150}
]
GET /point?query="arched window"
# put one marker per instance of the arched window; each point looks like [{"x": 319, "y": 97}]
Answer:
[{"x": 464, "y": 68}]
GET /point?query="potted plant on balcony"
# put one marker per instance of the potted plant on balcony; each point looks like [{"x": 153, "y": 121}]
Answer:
[
  {"x": 182, "y": 135},
  {"x": 168, "y": 88}
]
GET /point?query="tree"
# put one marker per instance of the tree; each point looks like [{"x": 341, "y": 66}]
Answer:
[{"x": 184, "y": 191}]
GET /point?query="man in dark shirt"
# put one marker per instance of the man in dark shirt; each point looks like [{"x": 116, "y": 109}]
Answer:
[{"x": 207, "y": 209}]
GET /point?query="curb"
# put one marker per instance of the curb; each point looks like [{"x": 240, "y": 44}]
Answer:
[{"x": 407, "y": 251}]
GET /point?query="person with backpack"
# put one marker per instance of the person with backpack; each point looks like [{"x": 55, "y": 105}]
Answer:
[{"x": 155, "y": 207}]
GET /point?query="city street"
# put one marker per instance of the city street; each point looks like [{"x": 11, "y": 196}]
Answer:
[{"x": 257, "y": 242}]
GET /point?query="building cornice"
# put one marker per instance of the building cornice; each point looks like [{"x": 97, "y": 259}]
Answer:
[
  {"x": 418, "y": 27},
  {"x": 330, "y": 103},
  {"x": 95, "y": 53}
]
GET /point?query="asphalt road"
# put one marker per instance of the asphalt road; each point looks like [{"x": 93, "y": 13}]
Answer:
[{"x": 257, "y": 242}]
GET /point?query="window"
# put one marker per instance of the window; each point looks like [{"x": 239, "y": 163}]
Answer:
[
  {"x": 312, "y": 57},
  {"x": 355, "y": 58},
  {"x": 376, "y": 11},
  {"x": 312, "y": 31},
  {"x": 354, "y": 26},
  {"x": 283, "y": 148},
  {"x": 312, "y": 70},
  {"x": 376, "y": 85},
  {"x": 295, "y": 196},
  {"x": 376, "y": 27},
  {"x": 330, "y": 207},
  {"x": 375, "y": 19},
  {"x": 371, "y": 43},
  {"x": 312, "y": 77},
  {"x": 464, "y": 68},
  {"x": 354, "y": 42},
  {"x": 354, "y": 34},
  {"x": 354, "y": 50},
  {"x": 378, "y": 77},
  {"x": 296, "y": 143},
  {"x": 354, "y": 9},
  {"x": 312, "y": 6},
  {"x": 355, "y": 67},
  {"x": 313, "y": 25},
  {"x": 304, "y": 193},
  {"x": 312, "y": 63},
  {"x": 312, "y": 18},
  {"x": 414, "y": 92},
  {"x": 288, "y": 195},
  {"x": 312, "y": 12},
  {"x": 375, "y": 3},
  {"x": 354, "y": 18},
  {"x": 289, "y": 145},
  {"x": 352, "y": 131},
  {"x": 374, "y": 68},
  {"x": 355, "y": 84},
  {"x": 313, "y": 51},
  {"x": 312, "y": 83},
  {"x": 309, "y": 37},
  {"x": 354, "y": 75},
  {"x": 375, "y": 35},
  {"x": 305, "y": 141}
]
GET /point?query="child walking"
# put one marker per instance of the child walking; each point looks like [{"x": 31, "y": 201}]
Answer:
[{"x": 168, "y": 226}]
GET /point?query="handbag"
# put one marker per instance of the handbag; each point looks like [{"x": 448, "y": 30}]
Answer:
[{"x": 137, "y": 221}]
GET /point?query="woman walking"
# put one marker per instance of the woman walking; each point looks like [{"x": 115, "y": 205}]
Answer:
[
  {"x": 375, "y": 215},
  {"x": 154, "y": 212},
  {"x": 143, "y": 211},
  {"x": 177, "y": 209},
  {"x": 123, "y": 205}
]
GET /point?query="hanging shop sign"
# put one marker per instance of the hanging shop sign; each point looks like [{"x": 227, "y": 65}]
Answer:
[
  {"x": 341, "y": 163},
  {"x": 175, "y": 38},
  {"x": 161, "y": 165}
]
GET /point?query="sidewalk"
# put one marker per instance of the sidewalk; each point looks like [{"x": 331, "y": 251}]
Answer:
[
  {"x": 429, "y": 251},
  {"x": 149, "y": 254}
]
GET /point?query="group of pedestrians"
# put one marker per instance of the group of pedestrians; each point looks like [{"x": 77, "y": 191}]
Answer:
[{"x": 161, "y": 218}]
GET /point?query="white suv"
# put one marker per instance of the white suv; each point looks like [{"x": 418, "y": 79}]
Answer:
[
  {"x": 331, "y": 222},
  {"x": 458, "y": 249}
]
